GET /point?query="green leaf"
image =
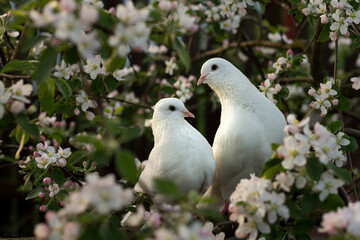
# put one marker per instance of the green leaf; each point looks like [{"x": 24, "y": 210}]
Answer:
[
  {"x": 110, "y": 83},
  {"x": 97, "y": 86},
  {"x": 125, "y": 166},
  {"x": 332, "y": 202},
  {"x": 293, "y": 11},
  {"x": 53, "y": 205},
  {"x": 313, "y": 168},
  {"x": 293, "y": 208},
  {"x": 335, "y": 126},
  {"x": 63, "y": 87},
  {"x": 309, "y": 202},
  {"x": 271, "y": 167},
  {"x": 284, "y": 92},
  {"x": 166, "y": 187},
  {"x": 106, "y": 20},
  {"x": 46, "y": 95},
  {"x": 25, "y": 124},
  {"x": 340, "y": 172},
  {"x": 325, "y": 33},
  {"x": 182, "y": 52},
  {"x": 71, "y": 56},
  {"x": 34, "y": 193},
  {"x": 344, "y": 103},
  {"x": 109, "y": 232},
  {"x": 130, "y": 133},
  {"x": 91, "y": 232},
  {"x": 302, "y": 237},
  {"x": 114, "y": 62},
  {"x": 303, "y": 226},
  {"x": 352, "y": 146},
  {"x": 356, "y": 43},
  {"x": 46, "y": 63},
  {"x": 57, "y": 176},
  {"x": 17, "y": 65}
]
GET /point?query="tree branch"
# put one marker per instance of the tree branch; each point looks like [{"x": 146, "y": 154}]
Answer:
[
  {"x": 123, "y": 101},
  {"x": 298, "y": 79},
  {"x": 8, "y": 76},
  {"x": 351, "y": 114},
  {"x": 300, "y": 44},
  {"x": 352, "y": 132}
]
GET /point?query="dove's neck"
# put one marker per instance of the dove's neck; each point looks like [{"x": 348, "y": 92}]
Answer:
[
  {"x": 164, "y": 130},
  {"x": 236, "y": 91}
]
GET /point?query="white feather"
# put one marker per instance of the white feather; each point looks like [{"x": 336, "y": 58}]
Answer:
[
  {"x": 249, "y": 124},
  {"x": 180, "y": 154}
]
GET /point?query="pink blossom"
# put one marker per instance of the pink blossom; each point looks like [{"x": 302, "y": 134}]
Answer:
[
  {"x": 335, "y": 102},
  {"x": 76, "y": 111},
  {"x": 271, "y": 76},
  {"x": 41, "y": 231},
  {"x": 41, "y": 195},
  {"x": 47, "y": 181},
  {"x": 356, "y": 83},
  {"x": 42, "y": 208}
]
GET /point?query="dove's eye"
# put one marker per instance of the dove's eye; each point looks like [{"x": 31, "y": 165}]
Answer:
[
  {"x": 214, "y": 67},
  {"x": 171, "y": 108}
]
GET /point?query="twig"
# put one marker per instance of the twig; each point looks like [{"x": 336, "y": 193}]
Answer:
[
  {"x": 3, "y": 57},
  {"x": 351, "y": 114},
  {"x": 296, "y": 44},
  {"x": 122, "y": 100},
  {"x": 11, "y": 146},
  {"x": 355, "y": 29},
  {"x": 8, "y": 76},
  {"x": 353, "y": 185},
  {"x": 298, "y": 79},
  {"x": 8, "y": 40},
  {"x": 352, "y": 132},
  {"x": 72, "y": 176}
]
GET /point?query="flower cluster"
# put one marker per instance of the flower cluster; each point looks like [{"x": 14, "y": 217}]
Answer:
[
  {"x": 110, "y": 196},
  {"x": 268, "y": 89},
  {"x": 356, "y": 83},
  {"x": 47, "y": 155},
  {"x": 339, "y": 13},
  {"x": 65, "y": 70},
  {"x": 86, "y": 103},
  {"x": 296, "y": 150},
  {"x": 184, "y": 86},
  {"x": 229, "y": 13},
  {"x": 131, "y": 31},
  {"x": 69, "y": 25},
  {"x": 15, "y": 96},
  {"x": 178, "y": 224},
  {"x": 343, "y": 221},
  {"x": 325, "y": 97},
  {"x": 255, "y": 205}
]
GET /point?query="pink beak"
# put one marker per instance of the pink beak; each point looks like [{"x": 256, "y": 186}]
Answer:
[
  {"x": 188, "y": 114},
  {"x": 202, "y": 79}
]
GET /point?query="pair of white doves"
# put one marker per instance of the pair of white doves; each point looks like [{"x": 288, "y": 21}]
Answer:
[{"x": 249, "y": 124}]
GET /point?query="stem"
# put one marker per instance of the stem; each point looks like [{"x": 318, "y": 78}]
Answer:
[
  {"x": 22, "y": 141},
  {"x": 296, "y": 44},
  {"x": 353, "y": 186},
  {"x": 123, "y": 101},
  {"x": 8, "y": 76},
  {"x": 72, "y": 176}
]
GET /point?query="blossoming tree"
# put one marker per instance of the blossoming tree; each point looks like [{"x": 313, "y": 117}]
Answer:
[{"x": 78, "y": 79}]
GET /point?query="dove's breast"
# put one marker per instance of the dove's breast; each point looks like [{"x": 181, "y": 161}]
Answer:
[
  {"x": 187, "y": 160},
  {"x": 240, "y": 148}
]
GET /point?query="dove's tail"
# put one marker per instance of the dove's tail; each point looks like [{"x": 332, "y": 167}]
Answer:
[{"x": 212, "y": 199}]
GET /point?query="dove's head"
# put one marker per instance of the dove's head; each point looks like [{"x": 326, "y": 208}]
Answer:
[
  {"x": 170, "y": 109},
  {"x": 214, "y": 70}
]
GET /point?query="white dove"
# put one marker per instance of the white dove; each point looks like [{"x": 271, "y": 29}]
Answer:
[
  {"x": 180, "y": 154},
  {"x": 249, "y": 123}
]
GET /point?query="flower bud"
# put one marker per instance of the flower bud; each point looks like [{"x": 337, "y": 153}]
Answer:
[
  {"x": 47, "y": 181},
  {"x": 41, "y": 194},
  {"x": 42, "y": 208}
]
